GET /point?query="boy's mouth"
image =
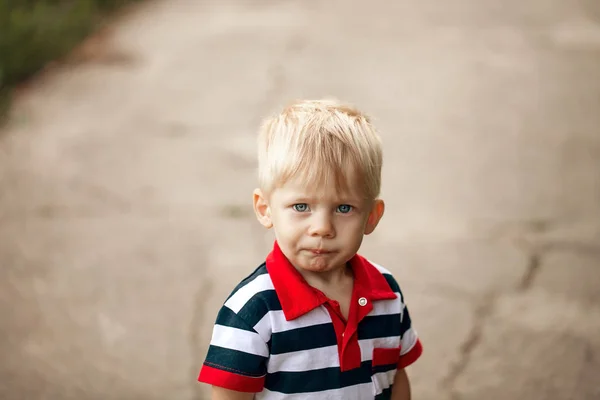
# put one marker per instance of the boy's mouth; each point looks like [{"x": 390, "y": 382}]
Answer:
[{"x": 320, "y": 251}]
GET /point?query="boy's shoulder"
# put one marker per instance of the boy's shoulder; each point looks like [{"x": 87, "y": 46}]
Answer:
[
  {"x": 254, "y": 296},
  {"x": 257, "y": 279}
]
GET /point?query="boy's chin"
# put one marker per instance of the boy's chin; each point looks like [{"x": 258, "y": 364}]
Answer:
[{"x": 319, "y": 266}]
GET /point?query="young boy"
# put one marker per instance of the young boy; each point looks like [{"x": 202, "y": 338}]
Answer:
[{"x": 316, "y": 320}]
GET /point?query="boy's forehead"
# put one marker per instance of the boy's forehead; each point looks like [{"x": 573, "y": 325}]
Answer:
[{"x": 302, "y": 188}]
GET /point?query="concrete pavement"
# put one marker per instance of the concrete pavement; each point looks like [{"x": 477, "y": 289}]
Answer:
[{"x": 125, "y": 190}]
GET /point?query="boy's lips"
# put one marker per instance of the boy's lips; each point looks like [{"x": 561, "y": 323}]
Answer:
[{"x": 320, "y": 251}]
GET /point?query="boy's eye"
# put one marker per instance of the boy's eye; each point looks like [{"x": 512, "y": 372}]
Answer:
[
  {"x": 300, "y": 207},
  {"x": 344, "y": 208}
]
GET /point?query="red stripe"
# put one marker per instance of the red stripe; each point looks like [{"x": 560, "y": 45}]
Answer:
[
  {"x": 230, "y": 380},
  {"x": 385, "y": 356},
  {"x": 411, "y": 356}
]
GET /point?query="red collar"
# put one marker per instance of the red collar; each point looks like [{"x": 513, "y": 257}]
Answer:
[{"x": 297, "y": 297}]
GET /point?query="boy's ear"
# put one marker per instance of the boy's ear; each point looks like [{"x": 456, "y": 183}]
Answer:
[
  {"x": 374, "y": 216},
  {"x": 261, "y": 209}
]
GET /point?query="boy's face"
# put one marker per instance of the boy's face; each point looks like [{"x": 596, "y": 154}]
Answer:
[{"x": 317, "y": 230}]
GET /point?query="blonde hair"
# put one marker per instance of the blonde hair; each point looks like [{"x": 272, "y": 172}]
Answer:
[{"x": 317, "y": 141}]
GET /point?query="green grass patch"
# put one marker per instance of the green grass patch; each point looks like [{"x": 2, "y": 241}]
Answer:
[{"x": 35, "y": 32}]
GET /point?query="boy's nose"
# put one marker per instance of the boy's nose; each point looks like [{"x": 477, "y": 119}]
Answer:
[{"x": 322, "y": 226}]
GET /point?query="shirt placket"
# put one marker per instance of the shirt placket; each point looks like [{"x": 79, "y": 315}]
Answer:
[{"x": 346, "y": 331}]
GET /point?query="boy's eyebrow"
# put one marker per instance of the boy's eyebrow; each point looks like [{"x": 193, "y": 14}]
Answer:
[
  {"x": 298, "y": 198},
  {"x": 302, "y": 198}
]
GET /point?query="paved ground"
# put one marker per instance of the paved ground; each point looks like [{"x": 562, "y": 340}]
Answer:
[{"x": 125, "y": 190}]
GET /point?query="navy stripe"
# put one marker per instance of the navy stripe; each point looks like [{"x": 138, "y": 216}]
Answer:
[
  {"x": 260, "y": 270},
  {"x": 323, "y": 335},
  {"x": 385, "y": 395},
  {"x": 236, "y": 361},
  {"x": 260, "y": 304},
  {"x": 318, "y": 380},
  {"x": 406, "y": 322},
  {"x": 384, "y": 368},
  {"x": 227, "y": 317},
  {"x": 310, "y": 337},
  {"x": 378, "y": 326}
]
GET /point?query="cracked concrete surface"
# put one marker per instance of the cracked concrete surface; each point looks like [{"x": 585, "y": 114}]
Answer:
[
  {"x": 482, "y": 310},
  {"x": 125, "y": 213}
]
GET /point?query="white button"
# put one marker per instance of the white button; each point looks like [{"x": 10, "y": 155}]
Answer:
[
  {"x": 362, "y": 301},
  {"x": 342, "y": 334}
]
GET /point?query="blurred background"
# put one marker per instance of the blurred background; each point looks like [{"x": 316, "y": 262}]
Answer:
[{"x": 126, "y": 171}]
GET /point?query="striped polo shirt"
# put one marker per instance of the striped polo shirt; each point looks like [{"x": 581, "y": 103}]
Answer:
[{"x": 280, "y": 338}]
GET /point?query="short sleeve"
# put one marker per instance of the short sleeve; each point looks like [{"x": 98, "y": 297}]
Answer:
[
  {"x": 411, "y": 345},
  {"x": 237, "y": 355}
]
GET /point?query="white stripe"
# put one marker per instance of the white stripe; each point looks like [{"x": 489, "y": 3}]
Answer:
[
  {"x": 239, "y": 339},
  {"x": 408, "y": 341},
  {"x": 274, "y": 322},
  {"x": 386, "y": 307},
  {"x": 263, "y": 327},
  {"x": 278, "y": 323},
  {"x": 356, "y": 392},
  {"x": 245, "y": 293},
  {"x": 326, "y": 357},
  {"x": 383, "y": 380},
  {"x": 298, "y": 361},
  {"x": 367, "y": 346},
  {"x": 317, "y": 316}
]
